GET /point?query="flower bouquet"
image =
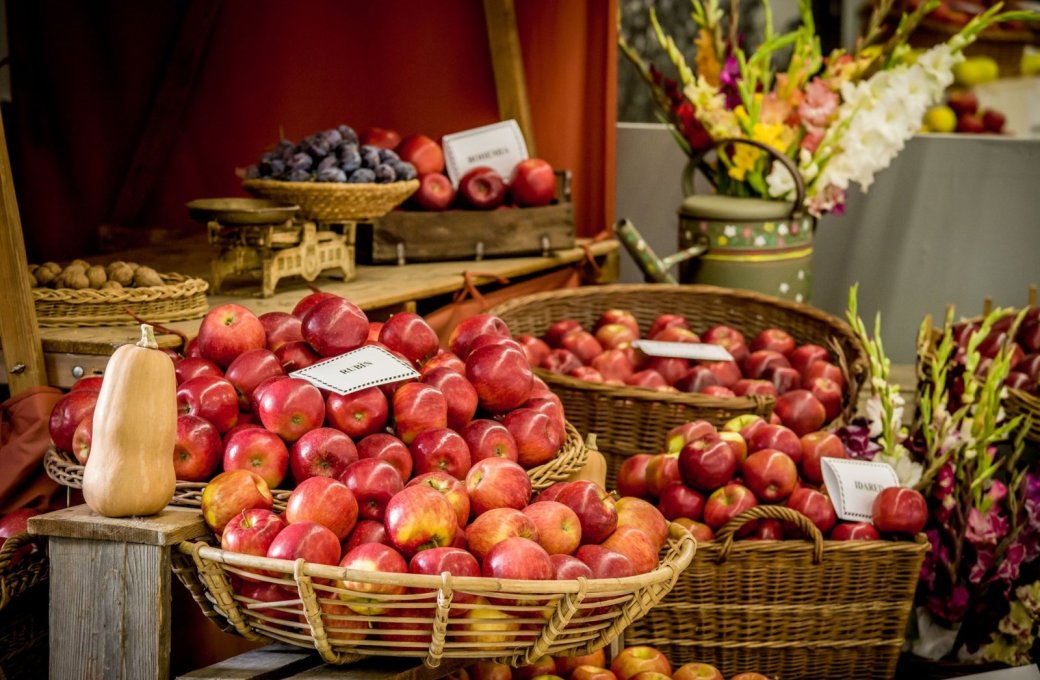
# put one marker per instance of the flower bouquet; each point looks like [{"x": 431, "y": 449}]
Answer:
[
  {"x": 978, "y": 599},
  {"x": 840, "y": 118}
]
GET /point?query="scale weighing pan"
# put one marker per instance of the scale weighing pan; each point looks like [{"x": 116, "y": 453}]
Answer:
[{"x": 232, "y": 211}]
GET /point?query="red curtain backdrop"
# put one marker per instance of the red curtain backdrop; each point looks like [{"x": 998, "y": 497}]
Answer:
[{"x": 85, "y": 78}]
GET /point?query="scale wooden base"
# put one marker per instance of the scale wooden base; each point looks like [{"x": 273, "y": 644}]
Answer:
[{"x": 271, "y": 252}]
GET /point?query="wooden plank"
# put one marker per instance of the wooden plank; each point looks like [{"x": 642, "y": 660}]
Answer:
[
  {"x": 508, "y": 65},
  {"x": 385, "y": 668},
  {"x": 273, "y": 662},
  {"x": 169, "y": 527},
  {"x": 23, "y": 360},
  {"x": 110, "y": 610}
]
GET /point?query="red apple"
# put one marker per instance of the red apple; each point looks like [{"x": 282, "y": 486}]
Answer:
[
  {"x": 568, "y": 567},
  {"x": 970, "y": 123},
  {"x": 443, "y": 359},
  {"x": 259, "y": 451},
  {"x": 422, "y": 152},
  {"x": 461, "y": 396},
  {"x": 266, "y": 592},
  {"x": 696, "y": 379},
  {"x": 636, "y": 545},
  {"x": 615, "y": 336},
  {"x": 566, "y": 664},
  {"x": 501, "y": 376},
  {"x": 700, "y": 531},
  {"x": 308, "y": 540},
  {"x": 418, "y": 518},
  {"x": 227, "y": 331},
  {"x": 517, "y": 558},
  {"x": 291, "y": 408},
  {"x": 296, "y": 355},
  {"x": 482, "y": 188},
  {"x": 662, "y": 470},
  {"x": 633, "y": 660},
  {"x": 490, "y": 670},
  {"x": 854, "y": 531},
  {"x": 191, "y": 367},
  {"x": 676, "y": 334},
  {"x": 814, "y": 505},
  {"x": 729, "y": 338},
  {"x": 213, "y": 399},
  {"x": 378, "y": 558},
  {"x": 817, "y": 445},
  {"x": 373, "y": 483},
  {"x": 252, "y": 532},
  {"x": 496, "y": 525},
  {"x": 451, "y": 488},
  {"x": 770, "y": 474},
  {"x": 440, "y": 449},
  {"x": 248, "y": 370},
  {"x": 543, "y": 665},
  {"x": 197, "y": 451},
  {"x": 586, "y": 373},
  {"x": 822, "y": 369},
  {"x": 310, "y": 300},
  {"x": 594, "y": 507},
  {"x": 561, "y": 361},
  {"x": 707, "y": 463},
  {"x": 591, "y": 673},
  {"x": 389, "y": 448},
  {"x": 454, "y": 561},
  {"x": 469, "y": 329},
  {"x": 538, "y": 437},
  {"x": 727, "y": 373},
  {"x": 800, "y": 411},
  {"x": 749, "y": 676},
  {"x": 639, "y": 514},
  {"x": 534, "y": 348},
  {"x": 774, "y": 339},
  {"x": 497, "y": 483},
  {"x": 358, "y": 414},
  {"x": 613, "y": 364},
  {"x": 14, "y": 523},
  {"x": 381, "y": 138},
  {"x": 559, "y": 529},
  {"x": 899, "y": 511},
  {"x": 489, "y": 439},
  {"x": 280, "y": 328},
  {"x": 648, "y": 378},
  {"x": 231, "y": 492},
  {"x": 366, "y": 531},
  {"x": 679, "y": 500},
  {"x": 418, "y": 407},
  {"x": 322, "y": 452},
  {"x": 828, "y": 393},
  {"x": 409, "y": 334},
  {"x": 680, "y": 435},
  {"x": 622, "y": 317},
  {"x": 664, "y": 321},
  {"x": 67, "y": 414},
  {"x": 83, "y": 437},
  {"x": 746, "y": 387},
  {"x": 697, "y": 671},
  {"x": 326, "y": 501},
  {"x": 718, "y": 391},
  {"x": 737, "y": 443},
  {"x": 554, "y": 335},
  {"x": 769, "y": 436},
  {"x": 758, "y": 362},
  {"x": 533, "y": 183},
  {"x": 334, "y": 326},
  {"x": 92, "y": 383},
  {"x": 726, "y": 503},
  {"x": 784, "y": 379},
  {"x": 631, "y": 476},
  {"x": 803, "y": 355}
]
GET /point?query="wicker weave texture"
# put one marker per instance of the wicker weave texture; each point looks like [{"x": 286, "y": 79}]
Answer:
[
  {"x": 181, "y": 298},
  {"x": 23, "y": 564},
  {"x": 789, "y": 609},
  {"x": 331, "y": 201},
  {"x": 1021, "y": 403},
  {"x": 631, "y": 420},
  {"x": 23, "y": 607},
  {"x": 432, "y": 619}
]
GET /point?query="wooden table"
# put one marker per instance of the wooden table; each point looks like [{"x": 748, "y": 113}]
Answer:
[{"x": 70, "y": 353}]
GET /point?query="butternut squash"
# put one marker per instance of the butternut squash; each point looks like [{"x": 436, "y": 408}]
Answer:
[
  {"x": 130, "y": 468},
  {"x": 595, "y": 468}
]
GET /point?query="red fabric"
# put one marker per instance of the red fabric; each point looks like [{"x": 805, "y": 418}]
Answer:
[
  {"x": 24, "y": 439},
  {"x": 85, "y": 75}
]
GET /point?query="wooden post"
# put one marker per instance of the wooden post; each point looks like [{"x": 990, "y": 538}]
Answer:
[
  {"x": 23, "y": 354},
  {"x": 508, "y": 64},
  {"x": 110, "y": 591}
]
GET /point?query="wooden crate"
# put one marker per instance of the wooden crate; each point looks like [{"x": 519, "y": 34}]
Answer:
[{"x": 404, "y": 236}]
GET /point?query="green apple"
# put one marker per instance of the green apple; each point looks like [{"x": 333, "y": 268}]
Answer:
[
  {"x": 975, "y": 71},
  {"x": 941, "y": 119}
]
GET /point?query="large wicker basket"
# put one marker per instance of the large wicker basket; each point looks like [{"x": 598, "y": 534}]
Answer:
[
  {"x": 629, "y": 420},
  {"x": 789, "y": 609},
  {"x": 23, "y": 607},
  {"x": 63, "y": 468},
  {"x": 533, "y": 618},
  {"x": 333, "y": 201},
  {"x": 180, "y": 297}
]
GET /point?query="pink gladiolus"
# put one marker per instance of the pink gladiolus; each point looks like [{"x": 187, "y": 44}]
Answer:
[
  {"x": 985, "y": 529},
  {"x": 819, "y": 106}
]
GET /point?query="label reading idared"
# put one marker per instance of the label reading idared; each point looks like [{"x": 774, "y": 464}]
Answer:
[
  {"x": 367, "y": 366},
  {"x": 854, "y": 484}
]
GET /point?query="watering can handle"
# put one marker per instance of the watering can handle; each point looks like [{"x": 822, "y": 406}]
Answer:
[
  {"x": 698, "y": 157},
  {"x": 654, "y": 268}
]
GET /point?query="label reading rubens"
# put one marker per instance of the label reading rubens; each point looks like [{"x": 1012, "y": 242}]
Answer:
[
  {"x": 499, "y": 146},
  {"x": 364, "y": 367},
  {"x": 853, "y": 484},
  {"x": 683, "y": 350}
]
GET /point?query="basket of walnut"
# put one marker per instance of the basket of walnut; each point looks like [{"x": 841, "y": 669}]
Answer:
[{"x": 82, "y": 294}]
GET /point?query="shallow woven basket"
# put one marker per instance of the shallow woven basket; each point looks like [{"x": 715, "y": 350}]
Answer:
[
  {"x": 331, "y": 201},
  {"x": 181, "y": 297},
  {"x": 630, "y": 420},
  {"x": 63, "y": 468},
  {"x": 23, "y": 608},
  {"x": 534, "y": 618},
  {"x": 788, "y": 609}
]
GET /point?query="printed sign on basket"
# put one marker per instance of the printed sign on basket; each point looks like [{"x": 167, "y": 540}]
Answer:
[
  {"x": 854, "y": 484},
  {"x": 499, "y": 146}
]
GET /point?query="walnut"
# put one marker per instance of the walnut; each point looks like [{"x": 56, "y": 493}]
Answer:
[
  {"x": 113, "y": 266},
  {"x": 111, "y": 284},
  {"x": 146, "y": 276},
  {"x": 96, "y": 276},
  {"x": 75, "y": 278},
  {"x": 80, "y": 263},
  {"x": 122, "y": 275},
  {"x": 47, "y": 272}
]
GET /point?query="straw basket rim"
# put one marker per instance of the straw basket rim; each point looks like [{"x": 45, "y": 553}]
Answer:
[{"x": 330, "y": 201}]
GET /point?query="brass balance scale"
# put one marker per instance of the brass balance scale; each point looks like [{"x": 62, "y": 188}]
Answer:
[{"x": 266, "y": 240}]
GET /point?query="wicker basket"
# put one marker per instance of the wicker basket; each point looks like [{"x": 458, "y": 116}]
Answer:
[
  {"x": 331, "y": 201},
  {"x": 538, "y": 617},
  {"x": 181, "y": 297},
  {"x": 23, "y": 608},
  {"x": 789, "y": 609},
  {"x": 630, "y": 420},
  {"x": 63, "y": 468}
]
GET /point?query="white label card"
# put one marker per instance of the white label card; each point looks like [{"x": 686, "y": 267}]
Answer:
[
  {"x": 853, "y": 484},
  {"x": 364, "y": 367},
  {"x": 683, "y": 350},
  {"x": 499, "y": 146}
]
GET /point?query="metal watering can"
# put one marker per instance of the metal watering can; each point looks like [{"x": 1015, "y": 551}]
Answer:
[{"x": 749, "y": 243}]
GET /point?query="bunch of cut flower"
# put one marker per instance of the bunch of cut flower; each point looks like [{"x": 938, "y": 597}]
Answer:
[
  {"x": 840, "y": 118},
  {"x": 978, "y": 598}
]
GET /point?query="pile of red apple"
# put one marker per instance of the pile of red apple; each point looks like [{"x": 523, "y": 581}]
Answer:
[
  {"x": 240, "y": 410},
  {"x": 639, "y": 662},
  {"x": 970, "y": 116},
  {"x": 484, "y": 525},
  {"x": 808, "y": 387},
  {"x": 707, "y": 477},
  {"x": 1024, "y": 347}
]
